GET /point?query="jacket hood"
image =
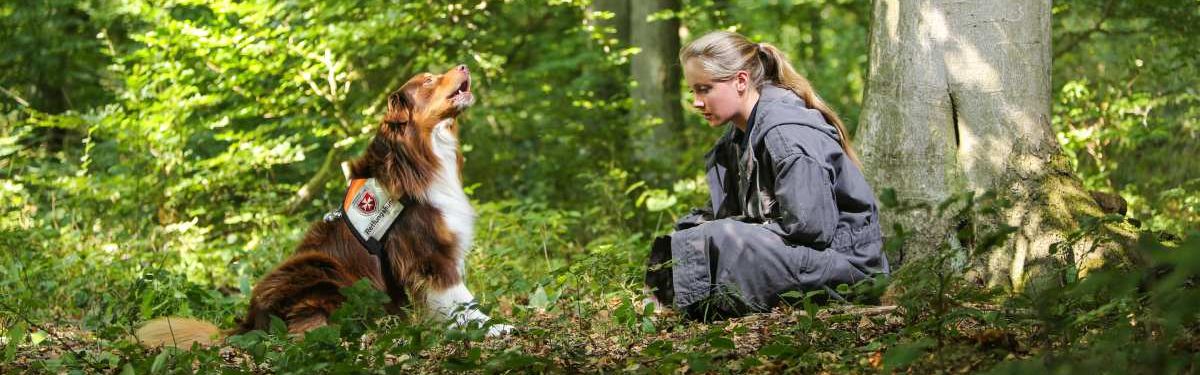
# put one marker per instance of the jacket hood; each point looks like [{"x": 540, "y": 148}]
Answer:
[{"x": 778, "y": 106}]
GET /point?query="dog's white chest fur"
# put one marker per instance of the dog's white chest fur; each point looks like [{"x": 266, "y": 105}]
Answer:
[
  {"x": 447, "y": 193},
  {"x": 455, "y": 303}
]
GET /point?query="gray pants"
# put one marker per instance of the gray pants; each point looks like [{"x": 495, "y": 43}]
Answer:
[{"x": 743, "y": 267}]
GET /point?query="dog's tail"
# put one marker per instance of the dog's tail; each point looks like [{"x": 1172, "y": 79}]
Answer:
[
  {"x": 177, "y": 332},
  {"x": 305, "y": 289}
]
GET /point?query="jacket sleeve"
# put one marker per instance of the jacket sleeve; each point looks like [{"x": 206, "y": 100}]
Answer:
[
  {"x": 805, "y": 195},
  {"x": 696, "y": 217}
]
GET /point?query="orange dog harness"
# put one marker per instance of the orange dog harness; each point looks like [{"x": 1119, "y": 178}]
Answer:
[{"x": 369, "y": 212}]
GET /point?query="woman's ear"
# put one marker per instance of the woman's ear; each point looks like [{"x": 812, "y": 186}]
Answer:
[{"x": 741, "y": 81}]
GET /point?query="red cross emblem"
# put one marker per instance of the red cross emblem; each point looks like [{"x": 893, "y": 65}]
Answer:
[{"x": 367, "y": 204}]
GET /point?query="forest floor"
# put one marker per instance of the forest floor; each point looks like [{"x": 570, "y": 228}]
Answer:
[
  {"x": 71, "y": 306},
  {"x": 837, "y": 339},
  {"x": 553, "y": 343}
]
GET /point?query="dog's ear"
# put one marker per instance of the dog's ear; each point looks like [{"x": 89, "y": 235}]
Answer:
[{"x": 399, "y": 110}]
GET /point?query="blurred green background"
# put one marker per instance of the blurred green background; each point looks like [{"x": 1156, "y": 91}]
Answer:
[{"x": 152, "y": 153}]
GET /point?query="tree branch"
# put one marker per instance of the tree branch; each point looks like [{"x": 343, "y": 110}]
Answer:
[
  {"x": 14, "y": 96},
  {"x": 1080, "y": 37},
  {"x": 510, "y": 58},
  {"x": 313, "y": 187}
]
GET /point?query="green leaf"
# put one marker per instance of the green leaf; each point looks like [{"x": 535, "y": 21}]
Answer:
[
  {"x": 660, "y": 202},
  {"x": 146, "y": 308},
  {"x": 16, "y": 335},
  {"x": 37, "y": 337},
  {"x": 160, "y": 361},
  {"x": 539, "y": 300},
  {"x": 698, "y": 362},
  {"x": 647, "y": 325},
  {"x": 792, "y": 294},
  {"x": 903, "y": 354},
  {"x": 843, "y": 289},
  {"x": 778, "y": 350},
  {"x": 327, "y": 335},
  {"x": 719, "y": 342},
  {"x": 658, "y": 348},
  {"x": 278, "y": 327},
  {"x": 634, "y": 186},
  {"x": 888, "y": 198}
]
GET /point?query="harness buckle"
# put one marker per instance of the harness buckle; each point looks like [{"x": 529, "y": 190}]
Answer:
[{"x": 333, "y": 216}]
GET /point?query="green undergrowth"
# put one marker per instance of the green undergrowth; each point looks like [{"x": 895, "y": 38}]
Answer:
[{"x": 570, "y": 282}]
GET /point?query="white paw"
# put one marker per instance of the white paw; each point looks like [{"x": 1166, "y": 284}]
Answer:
[
  {"x": 498, "y": 330},
  {"x": 658, "y": 306}
]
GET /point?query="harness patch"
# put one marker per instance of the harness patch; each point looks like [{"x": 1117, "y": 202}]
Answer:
[{"x": 369, "y": 212}]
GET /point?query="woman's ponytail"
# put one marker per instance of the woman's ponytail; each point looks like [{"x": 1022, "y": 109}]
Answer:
[
  {"x": 777, "y": 69},
  {"x": 722, "y": 54}
]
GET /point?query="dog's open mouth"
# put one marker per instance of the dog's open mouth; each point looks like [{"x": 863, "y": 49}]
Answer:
[{"x": 463, "y": 92}]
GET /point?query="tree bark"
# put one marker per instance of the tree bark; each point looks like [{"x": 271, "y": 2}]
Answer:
[
  {"x": 958, "y": 100},
  {"x": 657, "y": 72}
]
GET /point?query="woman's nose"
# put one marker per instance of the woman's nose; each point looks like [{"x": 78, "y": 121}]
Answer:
[{"x": 696, "y": 103}]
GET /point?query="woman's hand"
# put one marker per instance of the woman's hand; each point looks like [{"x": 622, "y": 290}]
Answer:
[{"x": 695, "y": 218}]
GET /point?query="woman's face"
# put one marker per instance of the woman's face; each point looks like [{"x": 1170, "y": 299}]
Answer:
[{"x": 718, "y": 101}]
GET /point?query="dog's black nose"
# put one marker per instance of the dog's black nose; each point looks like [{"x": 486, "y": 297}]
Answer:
[{"x": 462, "y": 68}]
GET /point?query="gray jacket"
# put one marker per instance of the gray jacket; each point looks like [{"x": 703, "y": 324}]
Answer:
[{"x": 792, "y": 212}]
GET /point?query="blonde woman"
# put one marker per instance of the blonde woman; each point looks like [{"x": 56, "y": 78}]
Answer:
[{"x": 790, "y": 209}]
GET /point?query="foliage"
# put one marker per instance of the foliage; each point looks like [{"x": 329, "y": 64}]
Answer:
[
  {"x": 157, "y": 157},
  {"x": 1126, "y": 104}
]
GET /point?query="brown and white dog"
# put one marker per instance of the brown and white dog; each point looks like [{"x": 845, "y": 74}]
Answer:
[{"x": 410, "y": 175}]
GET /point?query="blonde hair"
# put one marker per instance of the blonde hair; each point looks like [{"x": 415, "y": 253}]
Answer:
[{"x": 722, "y": 54}]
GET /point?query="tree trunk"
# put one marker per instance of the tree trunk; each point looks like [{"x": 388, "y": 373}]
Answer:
[
  {"x": 814, "y": 29},
  {"x": 657, "y": 73},
  {"x": 616, "y": 88},
  {"x": 958, "y": 100},
  {"x": 620, "y": 19}
]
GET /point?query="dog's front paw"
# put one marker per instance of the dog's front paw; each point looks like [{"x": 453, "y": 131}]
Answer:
[{"x": 499, "y": 330}]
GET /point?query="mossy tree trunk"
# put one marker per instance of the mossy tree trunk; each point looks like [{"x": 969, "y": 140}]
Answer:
[{"x": 958, "y": 100}]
